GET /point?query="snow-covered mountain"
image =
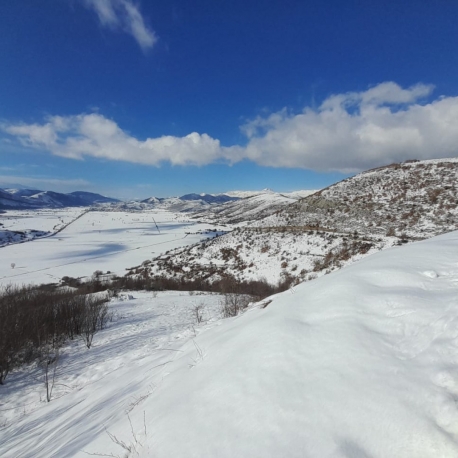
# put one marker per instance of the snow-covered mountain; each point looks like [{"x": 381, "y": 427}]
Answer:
[
  {"x": 210, "y": 198},
  {"x": 13, "y": 199}
]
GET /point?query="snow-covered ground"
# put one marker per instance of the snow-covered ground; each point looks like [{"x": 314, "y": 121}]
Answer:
[
  {"x": 98, "y": 240},
  {"x": 96, "y": 388},
  {"x": 18, "y": 226},
  {"x": 359, "y": 363},
  {"x": 48, "y": 220}
]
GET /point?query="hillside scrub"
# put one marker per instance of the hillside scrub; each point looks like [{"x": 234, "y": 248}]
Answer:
[
  {"x": 39, "y": 320},
  {"x": 417, "y": 199},
  {"x": 36, "y": 319}
]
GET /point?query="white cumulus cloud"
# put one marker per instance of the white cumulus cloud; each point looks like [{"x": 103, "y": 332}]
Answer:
[
  {"x": 124, "y": 15},
  {"x": 348, "y": 132},
  {"x": 94, "y": 135},
  {"x": 357, "y": 130}
]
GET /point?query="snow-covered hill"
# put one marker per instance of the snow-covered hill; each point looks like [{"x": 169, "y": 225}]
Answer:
[
  {"x": 254, "y": 206},
  {"x": 417, "y": 199},
  {"x": 359, "y": 363},
  {"x": 293, "y": 194},
  {"x": 34, "y": 199},
  {"x": 228, "y": 208},
  {"x": 328, "y": 229}
]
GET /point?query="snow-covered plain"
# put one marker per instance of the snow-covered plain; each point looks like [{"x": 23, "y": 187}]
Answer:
[
  {"x": 18, "y": 226},
  {"x": 360, "y": 363},
  {"x": 98, "y": 240},
  {"x": 48, "y": 220}
]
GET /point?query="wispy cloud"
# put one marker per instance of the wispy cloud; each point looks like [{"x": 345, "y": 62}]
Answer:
[
  {"x": 348, "y": 132},
  {"x": 124, "y": 15}
]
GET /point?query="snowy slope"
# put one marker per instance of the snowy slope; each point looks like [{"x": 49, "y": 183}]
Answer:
[
  {"x": 359, "y": 363},
  {"x": 271, "y": 255},
  {"x": 418, "y": 199},
  {"x": 297, "y": 239}
]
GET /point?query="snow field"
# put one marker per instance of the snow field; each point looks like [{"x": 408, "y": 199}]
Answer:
[
  {"x": 18, "y": 226},
  {"x": 47, "y": 220},
  {"x": 359, "y": 363},
  {"x": 107, "y": 241}
]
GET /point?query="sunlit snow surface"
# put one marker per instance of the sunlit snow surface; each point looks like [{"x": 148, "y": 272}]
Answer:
[
  {"x": 107, "y": 241},
  {"x": 359, "y": 363}
]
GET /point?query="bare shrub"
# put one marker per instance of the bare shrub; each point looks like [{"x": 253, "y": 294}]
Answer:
[
  {"x": 233, "y": 304},
  {"x": 95, "y": 316},
  {"x": 34, "y": 320},
  {"x": 198, "y": 312}
]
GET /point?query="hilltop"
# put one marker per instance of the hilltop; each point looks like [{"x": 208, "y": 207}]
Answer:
[{"x": 414, "y": 199}]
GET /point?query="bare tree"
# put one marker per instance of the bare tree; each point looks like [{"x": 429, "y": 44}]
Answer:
[{"x": 49, "y": 360}]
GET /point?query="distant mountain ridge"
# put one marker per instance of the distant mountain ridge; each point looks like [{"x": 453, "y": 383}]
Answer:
[
  {"x": 210, "y": 198},
  {"x": 16, "y": 199},
  {"x": 228, "y": 207}
]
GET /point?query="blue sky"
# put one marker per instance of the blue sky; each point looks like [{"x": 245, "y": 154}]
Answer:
[{"x": 141, "y": 98}]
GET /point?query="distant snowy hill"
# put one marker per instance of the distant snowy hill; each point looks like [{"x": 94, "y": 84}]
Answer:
[
  {"x": 254, "y": 206},
  {"x": 233, "y": 206},
  {"x": 33, "y": 198},
  {"x": 293, "y": 194},
  {"x": 210, "y": 198}
]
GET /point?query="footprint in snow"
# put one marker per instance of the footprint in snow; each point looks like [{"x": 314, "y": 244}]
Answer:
[{"x": 430, "y": 274}]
